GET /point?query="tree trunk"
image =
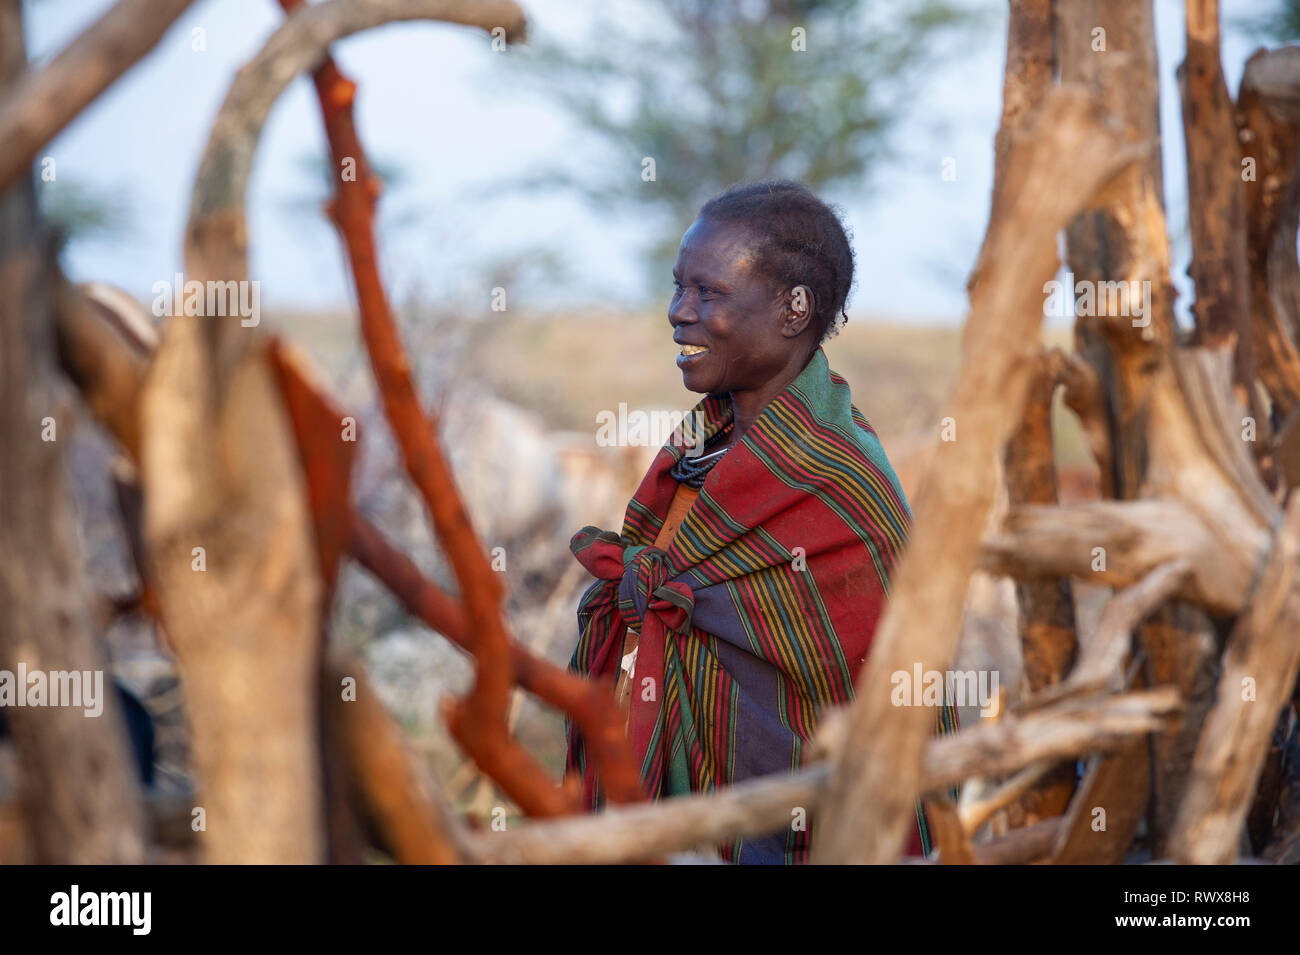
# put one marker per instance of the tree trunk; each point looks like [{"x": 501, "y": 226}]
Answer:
[{"x": 81, "y": 799}]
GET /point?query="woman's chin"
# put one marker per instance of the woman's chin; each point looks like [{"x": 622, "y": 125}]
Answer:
[{"x": 694, "y": 381}]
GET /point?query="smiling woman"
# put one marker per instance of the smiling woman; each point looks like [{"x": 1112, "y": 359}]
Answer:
[{"x": 740, "y": 599}]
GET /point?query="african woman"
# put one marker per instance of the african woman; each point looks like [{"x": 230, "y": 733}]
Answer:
[{"x": 740, "y": 599}]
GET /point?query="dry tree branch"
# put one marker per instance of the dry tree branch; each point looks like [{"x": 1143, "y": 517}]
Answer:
[
  {"x": 415, "y": 824},
  {"x": 758, "y": 807},
  {"x": 219, "y": 472},
  {"x": 868, "y": 807},
  {"x": 1101, "y": 663},
  {"x": 1117, "y": 543},
  {"x": 480, "y": 723},
  {"x": 979, "y": 802},
  {"x": 590, "y": 705},
  {"x": 105, "y": 349},
  {"x": 46, "y": 100},
  {"x": 1260, "y": 666}
]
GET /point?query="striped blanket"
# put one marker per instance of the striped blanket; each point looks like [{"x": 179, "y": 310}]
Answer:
[{"x": 760, "y": 612}]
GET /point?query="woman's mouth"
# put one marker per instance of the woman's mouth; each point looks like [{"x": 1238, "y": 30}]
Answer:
[{"x": 689, "y": 353}]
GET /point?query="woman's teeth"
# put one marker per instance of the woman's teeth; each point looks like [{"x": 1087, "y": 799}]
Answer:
[{"x": 689, "y": 350}]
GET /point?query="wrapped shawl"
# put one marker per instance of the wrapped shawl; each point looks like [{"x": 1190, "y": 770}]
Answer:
[{"x": 761, "y": 611}]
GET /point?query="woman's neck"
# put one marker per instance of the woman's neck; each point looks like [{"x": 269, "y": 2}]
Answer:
[{"x": 746, "y": 406}]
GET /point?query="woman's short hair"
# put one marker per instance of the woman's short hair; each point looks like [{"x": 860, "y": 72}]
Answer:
[{"x": 802, "y": 241}]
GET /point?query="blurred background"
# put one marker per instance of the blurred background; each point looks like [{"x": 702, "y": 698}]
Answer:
[{"x": 518, "y": 179}]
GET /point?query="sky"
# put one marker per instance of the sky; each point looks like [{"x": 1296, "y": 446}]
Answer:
[{"x": 434, "y": 100}]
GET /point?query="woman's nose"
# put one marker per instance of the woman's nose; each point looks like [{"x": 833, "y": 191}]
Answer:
[{"x": 680, "y": 310}]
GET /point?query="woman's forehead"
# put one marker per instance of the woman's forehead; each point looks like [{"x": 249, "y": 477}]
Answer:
[{"x": 718, "y": 245}]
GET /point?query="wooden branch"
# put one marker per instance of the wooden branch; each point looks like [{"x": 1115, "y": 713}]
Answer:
[
  {"x": 1117, "y": 543},
  {"x": 1062, "y": 731},
  {"x": 1107, "y": 808},
  {"x": 950, "y": 837},
  {"x": 42, "y": 102},
  {"x": 642, "y": 832},
  {"x": 105, "y": 349},
  {"x": 318, "y": 425},
  {"x": 220, "y": 472},
  {"x": 1259, "y": 672},
  {"x": 978, "y": 803},
  {"x": 1101, "y": 664},
  {"x": 1215, "y": 197},
  {"x": 1046, "y": 604},
  {"x": 1025, "y": 83},
  {"x": 479, "y": 723},
  {"x": 1084, "y": 395},
  {"x": 416, "y": 826},
  {"x": 757, "y": 807},
  {"x": 1019, "y": 846},
  {"x": 871, "y": 797},
  {"x": 1125, "y": 239},
  {"x": 590, "y": 705}
]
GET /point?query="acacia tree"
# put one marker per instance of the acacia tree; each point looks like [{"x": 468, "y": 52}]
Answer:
[{"x": 713, "y": 92}]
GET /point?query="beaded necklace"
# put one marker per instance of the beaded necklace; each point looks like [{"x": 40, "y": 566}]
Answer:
[{"x": 692, "y": 471}]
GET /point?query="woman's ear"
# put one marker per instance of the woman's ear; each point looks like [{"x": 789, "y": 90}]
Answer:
[{"x": 799, "y": 311}]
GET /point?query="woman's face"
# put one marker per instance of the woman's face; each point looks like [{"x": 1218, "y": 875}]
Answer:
[{"x": 738, "y": 332}]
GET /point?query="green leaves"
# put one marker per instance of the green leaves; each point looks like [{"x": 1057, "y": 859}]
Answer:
[{"x": 721, "y": 91}]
